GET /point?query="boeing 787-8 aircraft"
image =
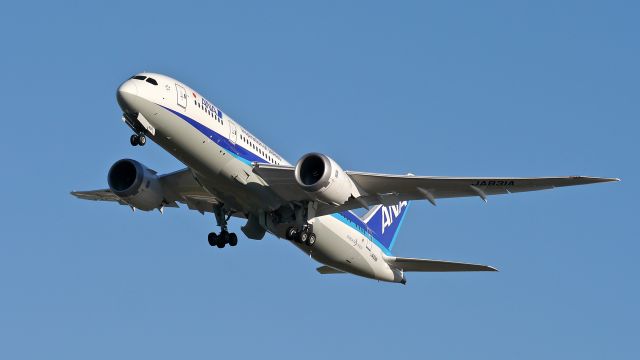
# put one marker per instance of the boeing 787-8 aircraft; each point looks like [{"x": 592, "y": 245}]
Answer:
[{"x": 231, "y": 173}]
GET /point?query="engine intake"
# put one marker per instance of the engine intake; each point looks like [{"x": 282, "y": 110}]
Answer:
[
  {"x": 320, "y": 175},
  {"x": 135, "y": 184}
]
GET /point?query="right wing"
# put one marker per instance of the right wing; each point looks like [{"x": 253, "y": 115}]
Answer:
[
  {"x": 426, "y": 265},
  {"x": 178, "y": 187},
  {"x": 98, "y": 195}
]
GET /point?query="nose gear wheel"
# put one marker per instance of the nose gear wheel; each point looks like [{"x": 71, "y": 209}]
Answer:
[{"x": 136, "y": 140}]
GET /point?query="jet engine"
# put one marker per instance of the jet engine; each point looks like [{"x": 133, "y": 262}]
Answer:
[
  {"x": 135, "y": 184},
  {"x": 320, "y": 175}
]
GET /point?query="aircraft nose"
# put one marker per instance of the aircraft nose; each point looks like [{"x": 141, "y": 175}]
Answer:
[
  {"x": 125, "y": 94},
  {"x": 128, "y": 87}
]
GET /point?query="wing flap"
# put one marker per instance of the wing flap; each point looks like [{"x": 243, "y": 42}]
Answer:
[{"x": 427, "y": 265}]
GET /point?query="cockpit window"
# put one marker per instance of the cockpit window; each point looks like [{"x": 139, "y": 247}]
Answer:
[
  {"x": 152, "y": 81},
  {"x": 139, "y": 77}
]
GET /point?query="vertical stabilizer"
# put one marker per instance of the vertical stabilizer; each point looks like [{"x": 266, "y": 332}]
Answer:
[{"x": 385, "y": 222}]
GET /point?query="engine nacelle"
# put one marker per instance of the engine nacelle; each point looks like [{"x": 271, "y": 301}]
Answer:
[
  {"x": 136, "y": 184},
  {"x": 320, "y": 175}
]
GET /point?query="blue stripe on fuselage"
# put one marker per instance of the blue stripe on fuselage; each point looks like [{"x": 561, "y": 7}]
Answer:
[
  {"x": 247, "y": 157},
  {"x": 354, "y": 222},
  {"x": 236, "y": 150}
]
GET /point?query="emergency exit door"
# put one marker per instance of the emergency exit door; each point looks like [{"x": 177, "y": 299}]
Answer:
[{"x": 182, "y": 96}]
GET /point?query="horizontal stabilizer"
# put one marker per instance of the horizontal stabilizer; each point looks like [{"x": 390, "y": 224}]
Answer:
[
  {"x": 325, "y": 270},
  {"x": 426, "y": 265}
]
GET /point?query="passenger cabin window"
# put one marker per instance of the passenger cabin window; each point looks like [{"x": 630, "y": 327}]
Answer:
[{"x": 152, "y": 81}]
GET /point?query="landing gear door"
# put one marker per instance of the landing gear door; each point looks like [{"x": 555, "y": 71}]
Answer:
[
  {"x": 233, "y": 132},
  {"x": 182, "y": 96}
]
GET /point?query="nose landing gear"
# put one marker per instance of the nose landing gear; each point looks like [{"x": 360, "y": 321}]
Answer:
[
  {"x": 138, "y": 140},
  {"x": 137, "y": 123}
]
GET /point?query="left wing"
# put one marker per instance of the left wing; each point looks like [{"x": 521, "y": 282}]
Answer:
[{"x": 391, "y": 189}]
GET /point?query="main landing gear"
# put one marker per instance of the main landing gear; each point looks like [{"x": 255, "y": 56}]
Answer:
[
  {"x": 138, "y": 139},
  {"x": 301, "y": 236},
  {"x": 225, "y": 237}
]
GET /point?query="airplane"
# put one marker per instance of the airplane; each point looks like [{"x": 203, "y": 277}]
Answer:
[{"x": 231, "y": 173}]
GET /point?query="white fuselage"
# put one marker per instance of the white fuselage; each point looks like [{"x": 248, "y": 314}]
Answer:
[{"x": 220, "y": 153}]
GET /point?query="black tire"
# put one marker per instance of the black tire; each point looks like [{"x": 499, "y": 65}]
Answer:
[
  {"x": 213, "y": 239},
  {"x": 223, "y": 239},
  {"x": 311, "y": 239},
  {"x": 291, "y": 233},
  {"x": 142, "y": 140},
  {"x": 233, "y": 239},
  {"x": 303, "y": 237},
  {"x": 134, "y": 140}
]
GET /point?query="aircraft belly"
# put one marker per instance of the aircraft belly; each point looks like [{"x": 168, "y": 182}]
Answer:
[
  {"x": 333, "y": 249},
  {"x": 233, "y": 181}
]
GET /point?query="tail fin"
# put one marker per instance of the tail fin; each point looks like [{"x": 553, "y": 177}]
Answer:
[{"x": 385, "y": 222}]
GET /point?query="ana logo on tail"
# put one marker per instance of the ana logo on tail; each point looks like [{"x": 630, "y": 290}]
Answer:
[{"x": 391, "y": 213}]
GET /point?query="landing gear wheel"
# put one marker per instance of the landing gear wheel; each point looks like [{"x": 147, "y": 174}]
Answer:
[
  {"x": 134, "y": 139},
  {"x": 233, "y": 239},
  {"x": 213, "y": 239},
  {"x": 223, "y": 239},
  {"x": 311, "y": 239},
  {"x": 291, "y": 233},
  {"x": 303, "y": 237},
  {"x": 142, "y": 140}
]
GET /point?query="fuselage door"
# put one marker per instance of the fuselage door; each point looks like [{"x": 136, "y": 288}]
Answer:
[
  {"x": 233, "y": 132},
  {"x": 182, "y": 96}
]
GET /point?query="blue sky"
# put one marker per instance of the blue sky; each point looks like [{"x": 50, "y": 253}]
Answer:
[{"x": 492, "y": 88}]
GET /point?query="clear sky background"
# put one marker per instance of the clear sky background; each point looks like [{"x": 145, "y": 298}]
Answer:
[{"x": 484, "y": 88}]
